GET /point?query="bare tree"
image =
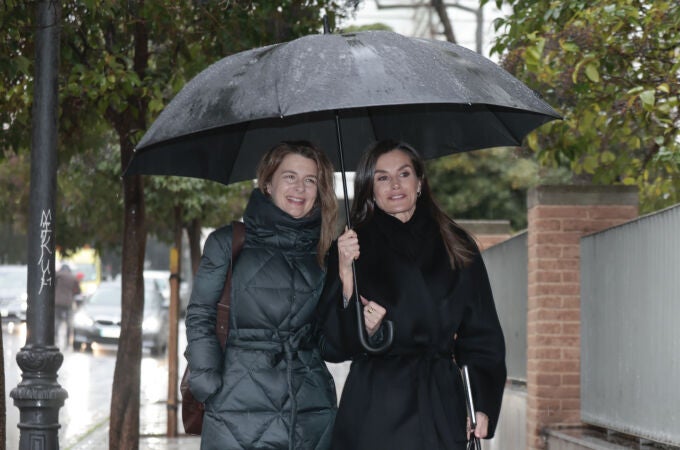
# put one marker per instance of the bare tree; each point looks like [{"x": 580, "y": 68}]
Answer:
[{"x": 440, "y": 7}]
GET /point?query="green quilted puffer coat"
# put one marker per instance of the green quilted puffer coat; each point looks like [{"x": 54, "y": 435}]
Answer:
[{"x": 271, "y": 389}]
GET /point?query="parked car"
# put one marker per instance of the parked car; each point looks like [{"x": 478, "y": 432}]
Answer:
[
  {"x": 13, "y": 293},
  {"x": 98, "y": 319},
  {"x": 162, "y": 278}
]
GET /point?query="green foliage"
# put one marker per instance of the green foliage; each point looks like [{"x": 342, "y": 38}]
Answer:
[
  {"x": 373, "y": 26},
  {"x": 15, "y": 67},
  {"x": 487, "y": 184},
  {"x": 613, "y": 69},
  {"x": 213, "y": 204},
  {"x": 110, "y": 91},
  {"x": 14, "y": 188},
  {"x": 89, "y": 196}
]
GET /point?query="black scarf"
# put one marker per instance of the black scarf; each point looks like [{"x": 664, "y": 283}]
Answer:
[{"x": 413, "y": 238}]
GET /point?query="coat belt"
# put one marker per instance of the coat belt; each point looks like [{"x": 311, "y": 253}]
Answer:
[{"x": 280, "y": 345}]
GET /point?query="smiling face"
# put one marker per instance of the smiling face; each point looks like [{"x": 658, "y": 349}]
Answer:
[
  {"x": 396, "y": 185},
  {"x": 293, "y": 186}
]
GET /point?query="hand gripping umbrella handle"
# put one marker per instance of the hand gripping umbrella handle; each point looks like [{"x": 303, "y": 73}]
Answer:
[{"x": 388, "y": 327}]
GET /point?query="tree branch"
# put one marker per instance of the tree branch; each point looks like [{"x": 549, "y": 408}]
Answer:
[{"x": 440, "y": 7}]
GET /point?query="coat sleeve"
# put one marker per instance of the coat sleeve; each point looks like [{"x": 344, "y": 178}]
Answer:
[
  {"x": 337, "y": 325},
  {"x": 481, "y": 346},
  {"x": 204, "y": 354}
]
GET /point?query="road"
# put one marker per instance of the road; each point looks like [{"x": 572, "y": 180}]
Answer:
[{"x": 88, "y": 377}]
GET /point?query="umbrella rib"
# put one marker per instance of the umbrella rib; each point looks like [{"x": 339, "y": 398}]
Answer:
[
  {"x": 277, "y": 90},
  {"x": 506, "y": 128},
  {"x": 369, "y": 113}
]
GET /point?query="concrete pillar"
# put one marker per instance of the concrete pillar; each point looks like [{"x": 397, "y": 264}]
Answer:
[{"x": 558, "y": 216}]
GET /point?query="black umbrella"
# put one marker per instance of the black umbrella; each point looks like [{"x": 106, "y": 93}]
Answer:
[{"x": 341, "y": 92}]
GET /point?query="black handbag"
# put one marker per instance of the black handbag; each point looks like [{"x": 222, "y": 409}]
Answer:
[{"x": 192, "y": 409}]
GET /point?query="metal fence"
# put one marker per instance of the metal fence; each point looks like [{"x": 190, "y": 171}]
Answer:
[
  {"x": 506, "y": 264},
  {"x": 630, "y": 335}
]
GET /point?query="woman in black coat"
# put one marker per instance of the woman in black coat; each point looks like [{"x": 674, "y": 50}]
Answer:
[
  {"x": 271, "y": 389},
  {"x": 420, "y": 270}
]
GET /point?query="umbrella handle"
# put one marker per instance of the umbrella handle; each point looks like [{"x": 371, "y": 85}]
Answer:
[
  {"x": 363, "y": 335},
  {"x": 388, "y": 328}
]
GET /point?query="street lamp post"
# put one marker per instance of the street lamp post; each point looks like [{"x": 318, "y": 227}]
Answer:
[{"x": 38, "y": 396}]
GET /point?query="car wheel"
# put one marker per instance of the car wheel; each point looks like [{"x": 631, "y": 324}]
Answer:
[{"x": 77, "y": 345}]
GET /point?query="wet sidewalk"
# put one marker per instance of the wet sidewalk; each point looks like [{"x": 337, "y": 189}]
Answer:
[{"x": 153, "y": 423}]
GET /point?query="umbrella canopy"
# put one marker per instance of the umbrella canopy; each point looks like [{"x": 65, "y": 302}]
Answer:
[{"x": 439, "y": 97}]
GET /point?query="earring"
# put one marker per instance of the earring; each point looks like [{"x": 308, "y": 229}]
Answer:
[{"x": 418, "y": 193}]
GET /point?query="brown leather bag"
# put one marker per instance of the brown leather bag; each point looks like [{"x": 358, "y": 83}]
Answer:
[{"x": 192, "y": 409}]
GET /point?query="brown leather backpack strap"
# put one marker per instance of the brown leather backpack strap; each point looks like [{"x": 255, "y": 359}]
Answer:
[{"x": 238, "y": 237}]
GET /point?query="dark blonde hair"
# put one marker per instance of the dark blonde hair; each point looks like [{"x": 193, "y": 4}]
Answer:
[
  {"x": 325, "y": 197},
  {"x": 459, "y": 244}
]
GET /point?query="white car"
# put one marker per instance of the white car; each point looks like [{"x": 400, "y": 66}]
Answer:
[
  {"x": 13, "y": 293},
  {"x": 99, "y": 319},
  {"x": 162, "y": 279}
]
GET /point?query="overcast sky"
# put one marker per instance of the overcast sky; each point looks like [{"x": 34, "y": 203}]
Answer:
[{"x": 402, "y": 20}]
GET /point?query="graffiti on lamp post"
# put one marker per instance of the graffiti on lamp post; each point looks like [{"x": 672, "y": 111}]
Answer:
[{"x": 45, "y": 250}]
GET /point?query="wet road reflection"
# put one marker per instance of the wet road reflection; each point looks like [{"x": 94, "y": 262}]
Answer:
[{"x": 88, "y": 378}]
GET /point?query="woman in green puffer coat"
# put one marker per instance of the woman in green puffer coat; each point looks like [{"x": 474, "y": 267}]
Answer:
[{"x": 271, "y": 388}]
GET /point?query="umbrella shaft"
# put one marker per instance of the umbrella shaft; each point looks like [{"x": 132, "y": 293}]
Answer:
[
  {"x": 341, "y": 160},
  {"x": 389, "y": 332}
]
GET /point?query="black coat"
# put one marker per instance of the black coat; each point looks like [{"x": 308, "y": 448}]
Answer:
[
  {"x": 412, "y": 397},
  {"x": 272, "y": 389}
]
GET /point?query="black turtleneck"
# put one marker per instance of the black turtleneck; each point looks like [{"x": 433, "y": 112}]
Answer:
[{"x": 409, "y": 238}]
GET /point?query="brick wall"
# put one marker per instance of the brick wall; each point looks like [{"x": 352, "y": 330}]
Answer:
[{"x": 557, "y": 218}]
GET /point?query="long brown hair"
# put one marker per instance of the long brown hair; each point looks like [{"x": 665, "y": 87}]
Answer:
[
  {"x": 325, "y": 197},
  {"x": 459, "y": 244}
]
